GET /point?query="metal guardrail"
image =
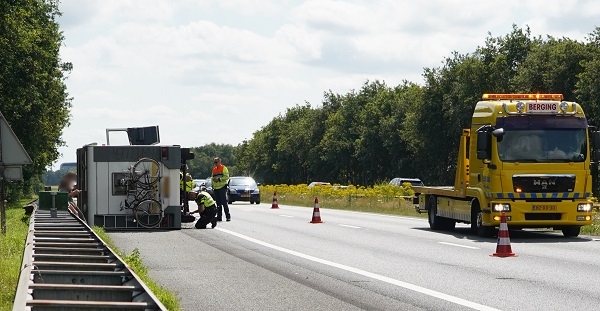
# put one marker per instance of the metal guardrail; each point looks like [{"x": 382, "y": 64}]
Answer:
[{"x": 66, "y": 266}]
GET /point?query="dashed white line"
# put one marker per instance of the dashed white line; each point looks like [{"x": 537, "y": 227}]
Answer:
[
  {"x": 349, "y": 226},
  {"x": 459, "y": 245},
  {"x": 409, "y": 286},
  {"x": 288, "y": 216}
]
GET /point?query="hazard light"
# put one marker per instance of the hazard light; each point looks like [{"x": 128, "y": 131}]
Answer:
[{"x": 523, "y": 96}]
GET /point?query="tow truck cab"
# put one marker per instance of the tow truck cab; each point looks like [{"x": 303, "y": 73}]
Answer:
[{"x": 525, "y": 155}]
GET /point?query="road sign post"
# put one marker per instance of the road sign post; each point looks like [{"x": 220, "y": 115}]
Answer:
[
  {"x": 2, "y": 203},
  {"x": 12, "y": 157},
  {"x": 3, "y": 213}
]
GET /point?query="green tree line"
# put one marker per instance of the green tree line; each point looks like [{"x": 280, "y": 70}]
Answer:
[
  {"x": 379, "y": 132},
  {"x": 201, "y": 166},
  {"x": 33, "y": 94}
]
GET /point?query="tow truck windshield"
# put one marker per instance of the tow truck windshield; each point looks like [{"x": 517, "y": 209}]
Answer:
[{"x": 548, "y": 145}]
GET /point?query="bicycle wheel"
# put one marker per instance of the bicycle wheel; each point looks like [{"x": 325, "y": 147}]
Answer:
[
  {"x": 148, "y": 213},
  {"x": 146, "y": 172}
]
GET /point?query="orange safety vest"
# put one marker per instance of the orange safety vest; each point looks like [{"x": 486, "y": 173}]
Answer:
[
  {"x": 218, "y": 171},
  {"x": 222, "y": 173}
]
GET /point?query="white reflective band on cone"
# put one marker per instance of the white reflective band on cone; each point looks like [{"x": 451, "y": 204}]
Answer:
[{"x": 504, "y": 241}]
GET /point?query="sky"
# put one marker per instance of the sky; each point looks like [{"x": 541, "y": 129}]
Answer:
[{"x": 217, "y": 71}]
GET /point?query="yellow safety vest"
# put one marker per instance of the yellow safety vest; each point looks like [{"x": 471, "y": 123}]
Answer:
[
  {"x": 205, "y": 199},
  {"x": 189, "y": 186}
]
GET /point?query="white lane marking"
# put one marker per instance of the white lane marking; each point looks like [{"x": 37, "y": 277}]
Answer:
[
  {"x": 465, "y": 246},
  {"x": 247, "y": 210},
  {"x": 288, "y": 216},
  {"x": 409, "y": 286},
  {"x": 349, "y": 226}
]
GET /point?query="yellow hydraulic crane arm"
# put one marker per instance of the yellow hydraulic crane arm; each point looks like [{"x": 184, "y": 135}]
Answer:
[{"x": 461, "y": 181}]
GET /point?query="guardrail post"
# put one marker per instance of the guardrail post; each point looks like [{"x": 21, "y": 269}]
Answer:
[{"x": 53, "y": 209}]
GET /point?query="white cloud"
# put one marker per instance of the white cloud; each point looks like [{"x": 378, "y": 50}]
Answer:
[
  {"x": 251, "y": 7},
  {"x": 226, "y": 68},
  {"x": 305, "y": 43}
]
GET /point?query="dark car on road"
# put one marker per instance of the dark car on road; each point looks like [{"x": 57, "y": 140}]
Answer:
[{"x": 243, "y": 189}]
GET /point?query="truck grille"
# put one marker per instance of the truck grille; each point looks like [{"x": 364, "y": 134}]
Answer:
[
  {"x": 543, "y": 216},
  {"x": 543, "y": 183}
]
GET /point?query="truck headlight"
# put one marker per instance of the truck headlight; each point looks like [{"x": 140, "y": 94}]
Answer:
[
  {"x": 501, "y": 207},
  {"x": 584, "y": 207}
]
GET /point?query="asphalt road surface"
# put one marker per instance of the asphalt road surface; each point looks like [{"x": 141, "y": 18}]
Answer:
[{"x": 274, "y": 259}]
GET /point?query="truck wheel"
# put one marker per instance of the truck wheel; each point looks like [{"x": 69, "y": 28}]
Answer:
[
  {"x": 474, "y": 210},
  {"x": 435, "y": 222},
  {"x": 477, "y": 226},
  {"x": 484, "y": 231},
  {"x": 571, "y": 231}
]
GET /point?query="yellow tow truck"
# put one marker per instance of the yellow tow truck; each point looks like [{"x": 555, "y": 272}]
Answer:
[{"x": 531, "y": 156}]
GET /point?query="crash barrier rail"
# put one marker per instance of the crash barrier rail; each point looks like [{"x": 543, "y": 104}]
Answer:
[{"x": 66, "y": 266}]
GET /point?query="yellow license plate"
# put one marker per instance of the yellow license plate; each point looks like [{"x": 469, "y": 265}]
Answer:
[
  {"x": 245, "y": 195},
  {"x": 543, "y": 208}
]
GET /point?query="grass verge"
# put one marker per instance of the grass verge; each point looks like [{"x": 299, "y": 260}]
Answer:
[
  {"x": 11, "y": 252},
  {"x": 594, "y": 228},
  {"x": 134, "y": 260}
]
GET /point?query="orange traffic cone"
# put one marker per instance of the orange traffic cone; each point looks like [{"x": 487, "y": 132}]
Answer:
[
  {"x": 503, "y": 248},
  {"x": 316, "y": 218},
  {"x": 275, "y": 204}
]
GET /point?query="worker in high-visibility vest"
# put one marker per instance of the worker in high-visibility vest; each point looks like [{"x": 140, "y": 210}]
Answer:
[
  {"x": 220, "y": 178},
  {"x": 185, "y": 185},
  {"x": 188, "y": 185},
  {"x": 207, "y": 208}
]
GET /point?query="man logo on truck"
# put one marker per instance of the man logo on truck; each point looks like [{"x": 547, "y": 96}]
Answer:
[{"x": 544, "y": 183}]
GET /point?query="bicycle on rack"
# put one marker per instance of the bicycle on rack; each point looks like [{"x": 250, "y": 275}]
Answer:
[
  {"x": 145, "y": 173},
  {"x": 142, "y": 188}
]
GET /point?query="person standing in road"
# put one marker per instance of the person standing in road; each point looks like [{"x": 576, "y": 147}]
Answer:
[
  {"x": 220, "y": 178},
  {"x": 207, "y": 208}
]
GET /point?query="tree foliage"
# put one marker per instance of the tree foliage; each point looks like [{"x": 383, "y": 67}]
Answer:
[
  {"x": 379, "y": 132},
  {"x": 201, "y": 166},
  {"x": 33, "y": 95}
]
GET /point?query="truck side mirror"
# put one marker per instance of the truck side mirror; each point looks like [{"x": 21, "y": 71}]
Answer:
[
  {"x": 595, "y": 144},
  {"x": 484, "y": 145}
]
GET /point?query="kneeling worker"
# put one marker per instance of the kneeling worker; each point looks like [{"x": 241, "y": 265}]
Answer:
[{"x": 207, "y": 208}]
